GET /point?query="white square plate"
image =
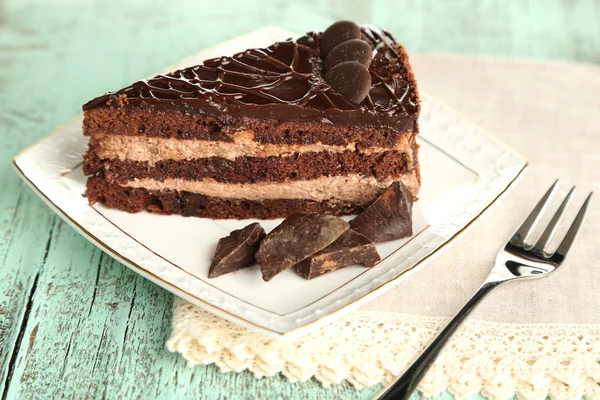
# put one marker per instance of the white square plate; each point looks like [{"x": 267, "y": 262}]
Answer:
[{"x": 464, "y": 171}]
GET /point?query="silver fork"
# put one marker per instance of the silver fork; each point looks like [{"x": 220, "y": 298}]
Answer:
[{"x": 517, "y": 260}]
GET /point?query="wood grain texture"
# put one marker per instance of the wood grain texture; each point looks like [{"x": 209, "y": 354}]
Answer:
[{"x": 74, "y": 322}]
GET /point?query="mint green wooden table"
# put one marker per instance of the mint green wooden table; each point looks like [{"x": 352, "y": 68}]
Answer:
[{"x": 74, "y": 322}]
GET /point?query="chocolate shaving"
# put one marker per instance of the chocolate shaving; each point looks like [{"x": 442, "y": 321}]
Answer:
[
  {"x": 298, "y": 237},
  {"x": 349, "y": 249},
  {"x": 236, "y": 251}
]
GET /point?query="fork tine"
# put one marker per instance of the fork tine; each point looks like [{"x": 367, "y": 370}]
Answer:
[
  {"x": 532, "y": 220},
  {"x": 544, "y": 240},
  {"x": 573, "y": 231}
]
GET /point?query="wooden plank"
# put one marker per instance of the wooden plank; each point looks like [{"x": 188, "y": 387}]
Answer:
[
  {"x": 25, "y": 222},
  {"x": 21, "y": 256}
]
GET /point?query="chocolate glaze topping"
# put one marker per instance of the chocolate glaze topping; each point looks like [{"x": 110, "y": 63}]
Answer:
[{"x": 284, "y": 81}]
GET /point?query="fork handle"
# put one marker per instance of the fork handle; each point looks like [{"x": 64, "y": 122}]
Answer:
[{"x": 408, "y": 382}]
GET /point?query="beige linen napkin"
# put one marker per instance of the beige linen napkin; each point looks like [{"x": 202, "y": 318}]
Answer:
[{"x": 532, "y": 338}]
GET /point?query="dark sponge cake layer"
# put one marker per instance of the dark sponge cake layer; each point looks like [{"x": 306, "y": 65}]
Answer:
[
  {"x": 178, "y": 125},
  {"x": 197, "y": 205},
  {"x": 299, "y": 166}
]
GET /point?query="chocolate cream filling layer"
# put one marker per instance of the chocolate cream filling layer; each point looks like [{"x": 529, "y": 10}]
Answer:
[
  {"x": 350, "y": 188},
  {"x": 155, "y": 149}
]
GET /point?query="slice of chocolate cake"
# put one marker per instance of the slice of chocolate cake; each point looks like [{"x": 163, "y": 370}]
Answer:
[{"x": 324, "y": 123}]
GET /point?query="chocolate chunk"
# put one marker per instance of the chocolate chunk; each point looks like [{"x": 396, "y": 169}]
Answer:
[
  {"x": 298, "y": 237},
  {"x": 387, "y": 218},
  {"x": 337, "y": 33},
  {"x": 349, "y": 249},
  {"x": 350, "y": 79},
  {"x": 351, "y": 50},
  {"x": 237, "y": 250}
]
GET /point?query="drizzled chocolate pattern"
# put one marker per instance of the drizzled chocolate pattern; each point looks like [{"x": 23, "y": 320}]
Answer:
[{"x": 284, "y": 81}]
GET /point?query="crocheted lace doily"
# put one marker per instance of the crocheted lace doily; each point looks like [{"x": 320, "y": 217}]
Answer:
[{"x": 367, "y": 348}]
